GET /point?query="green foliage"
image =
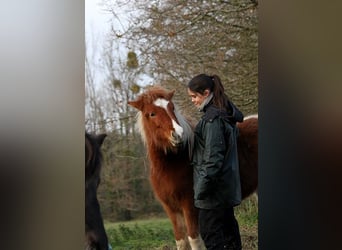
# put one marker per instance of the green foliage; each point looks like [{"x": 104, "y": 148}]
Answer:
[
  {"x": 247, "y": 216},
  {"x": 116, "y": 83},
  {"x": 125, "y": 192},
  {"x": 247, "y": 211},
  {"x": 146, "y": 234},
  {"x": 135, "y": 88},
  {"x": 157, "y": 233},
  {"x": 132, "y": 61}
]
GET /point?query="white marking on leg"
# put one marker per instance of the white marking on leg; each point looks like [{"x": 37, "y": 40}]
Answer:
[
  {"x": 181, "y": 244},
  {"x": 197, "y": 243}
]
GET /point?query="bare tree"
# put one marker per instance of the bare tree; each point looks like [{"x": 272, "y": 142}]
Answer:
[
  {"x": 179, "y": 39},
  {"x": 125, "y": 189},
  {"x": 93, "y": 111}
]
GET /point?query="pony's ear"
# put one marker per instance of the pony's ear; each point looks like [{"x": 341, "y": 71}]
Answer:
[
  {"x": 170, "y": 94},
  {"x": 100, "y": 138},
  {"x": 136, "y": 104}
]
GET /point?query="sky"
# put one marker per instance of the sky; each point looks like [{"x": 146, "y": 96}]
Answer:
[
  {"x": 96, "y": 19},
  {"x": 97, "y": 26}
]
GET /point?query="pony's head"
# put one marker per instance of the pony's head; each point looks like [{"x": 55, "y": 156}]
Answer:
[
  {"x": 159, "y": 122},
  {"x": 93, "y": 155},
  {"x": 95, "y": 235}
]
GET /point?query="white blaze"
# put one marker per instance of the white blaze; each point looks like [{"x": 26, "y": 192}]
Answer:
[{"x": 163, "y": 104}]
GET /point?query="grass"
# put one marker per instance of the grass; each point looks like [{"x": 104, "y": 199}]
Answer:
[
  {"x": 247, "y": 217},
  {"x": 153, "y": 233},
  {"x": 157, "y": 234}
]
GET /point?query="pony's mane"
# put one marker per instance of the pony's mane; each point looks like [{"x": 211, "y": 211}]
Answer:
[
  {"x": 188, "y": 134},
  {"x": 140, "y": 127},
  {"x": 154, "y": 93}
]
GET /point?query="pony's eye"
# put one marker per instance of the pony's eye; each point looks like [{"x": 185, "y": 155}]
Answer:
[{"x": 152, "y": 114}]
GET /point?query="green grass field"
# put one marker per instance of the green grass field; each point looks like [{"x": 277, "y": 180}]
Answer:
[{"x": 156, "y": 233}]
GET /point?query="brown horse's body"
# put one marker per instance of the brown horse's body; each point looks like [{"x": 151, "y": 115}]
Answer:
[
  {"x": 169, "y": 138},
  {"x": 248, "y": 155},
  {"x": 171, "y": 178}
]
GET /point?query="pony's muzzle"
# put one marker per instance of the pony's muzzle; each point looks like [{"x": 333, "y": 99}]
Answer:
[{"x": 176, "y": 139}]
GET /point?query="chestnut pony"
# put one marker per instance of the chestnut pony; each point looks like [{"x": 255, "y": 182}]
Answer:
[{"x": 169, "y": 137}]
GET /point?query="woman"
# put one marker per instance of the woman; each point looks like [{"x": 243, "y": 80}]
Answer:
[{"x": 215, "y": 163}]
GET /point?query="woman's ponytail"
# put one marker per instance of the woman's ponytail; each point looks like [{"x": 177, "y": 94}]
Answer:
[{"x": 220, "y": 98}]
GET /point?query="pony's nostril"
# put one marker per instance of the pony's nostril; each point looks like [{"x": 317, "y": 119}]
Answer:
[
  {"x": 175, "y": 135},
  {"x": 176, "y": 138}
]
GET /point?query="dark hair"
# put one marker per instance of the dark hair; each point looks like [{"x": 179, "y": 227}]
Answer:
[{"x": 202, "y": 82}]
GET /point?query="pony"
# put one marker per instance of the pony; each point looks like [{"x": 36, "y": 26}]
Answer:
[
  {"x": 247, "y": 143},
  {"x": 96, "y": 237},
  {"x": 168, "y": 137}
]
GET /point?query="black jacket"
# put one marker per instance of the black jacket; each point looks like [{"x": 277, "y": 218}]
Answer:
[{"x": 215, "y": 159}]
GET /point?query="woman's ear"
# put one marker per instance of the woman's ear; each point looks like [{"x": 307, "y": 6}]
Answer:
[{"x": 206, "y": 93}]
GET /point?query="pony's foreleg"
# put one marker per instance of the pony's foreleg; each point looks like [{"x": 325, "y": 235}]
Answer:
[
  {"x": 182, "y": 245},
  {"x": 179, "y": 229},
  {"x": 191, "y": 220},
  {"x": 197, "y": 243}
]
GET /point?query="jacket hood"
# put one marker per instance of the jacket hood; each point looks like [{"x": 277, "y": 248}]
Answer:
[{"x": 233, "y": 115}]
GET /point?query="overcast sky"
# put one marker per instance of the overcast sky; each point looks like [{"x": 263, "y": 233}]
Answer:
[
  {"x": 95, "y": 18},
  {"x": 96, "y": 27},
  {"x": 97, "y": 24}
]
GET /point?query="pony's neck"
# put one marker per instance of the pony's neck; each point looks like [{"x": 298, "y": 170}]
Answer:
[{"x": 167, "y": 155}]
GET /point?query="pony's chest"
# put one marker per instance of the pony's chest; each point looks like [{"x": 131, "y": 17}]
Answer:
[{"x": 171, "y": 179}]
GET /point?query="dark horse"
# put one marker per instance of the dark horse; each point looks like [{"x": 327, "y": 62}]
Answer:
[
  {"x": 168, "y": 137},
  {"x": 96, "y": 237}
]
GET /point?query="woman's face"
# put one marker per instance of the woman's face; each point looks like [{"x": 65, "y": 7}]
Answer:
[{"x": 197, "y": 98}]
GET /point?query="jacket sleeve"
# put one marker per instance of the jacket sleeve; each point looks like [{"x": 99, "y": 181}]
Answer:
[{"x": 213, "y": 157}]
